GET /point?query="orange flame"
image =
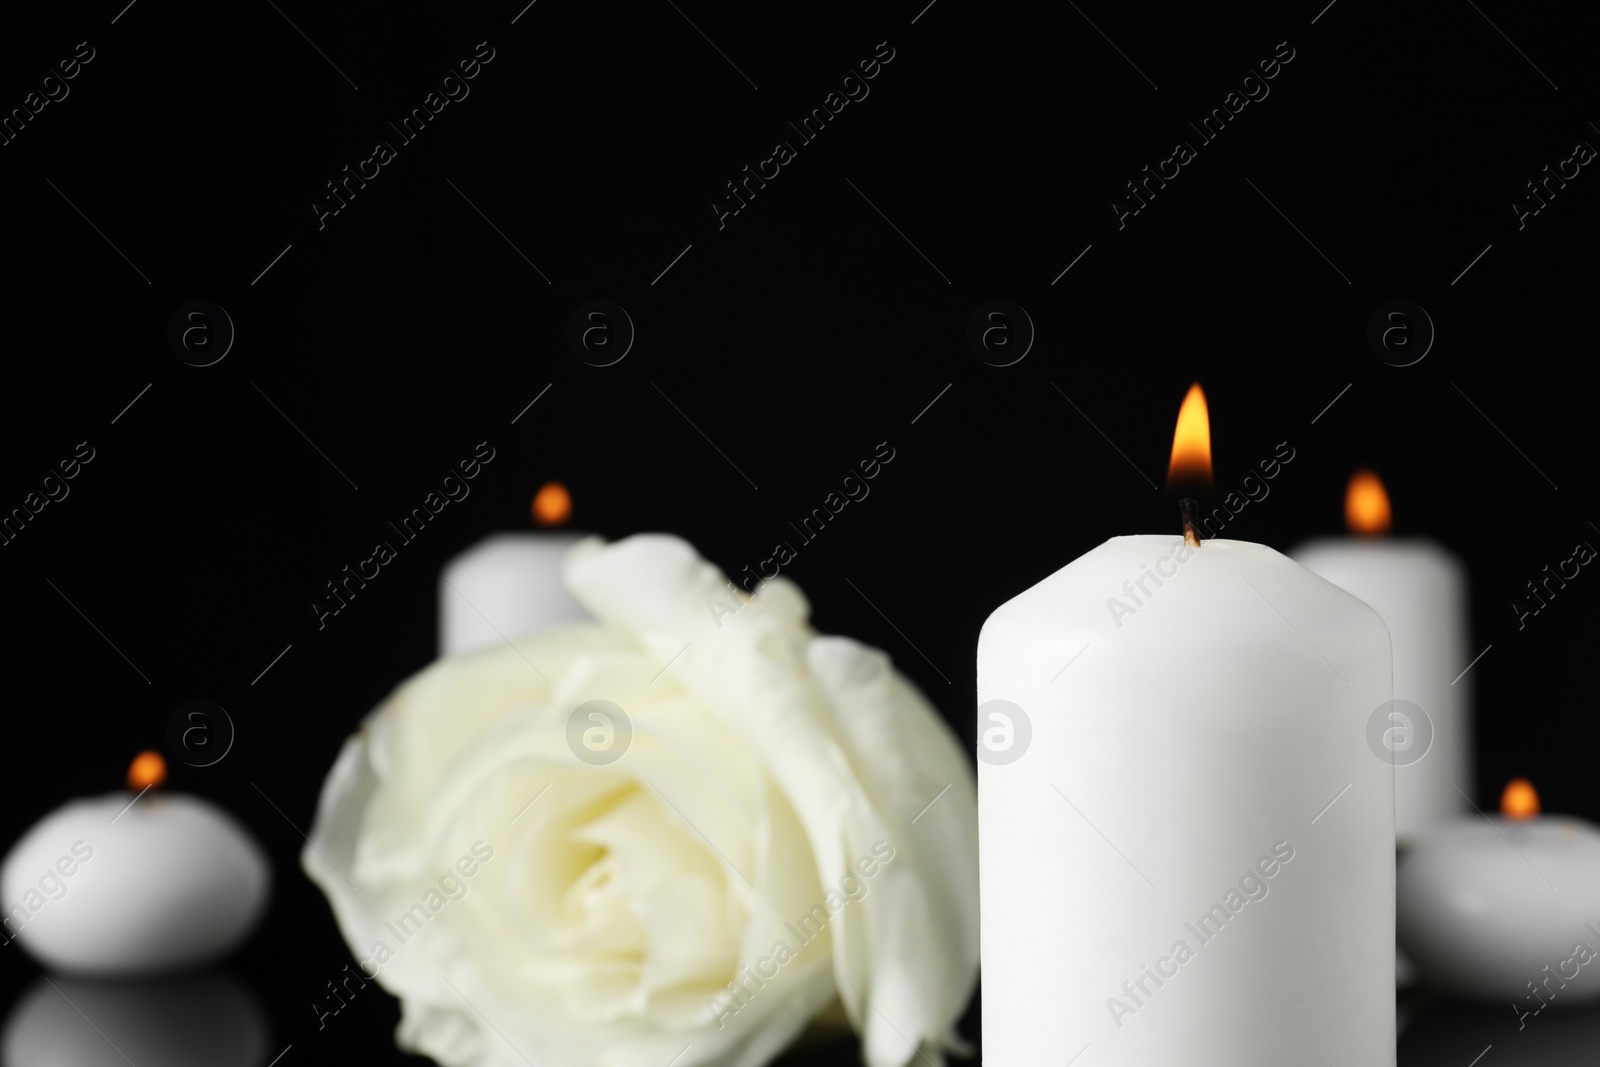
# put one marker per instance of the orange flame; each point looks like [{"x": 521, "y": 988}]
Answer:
[
  {"x": 1191, "y": 443},
  {"x": 1520, "y": 800},
  {"x": 1366, "y": 505},
  {"x": 552, "y": 505},
  {"x": 147, "y": 771}
]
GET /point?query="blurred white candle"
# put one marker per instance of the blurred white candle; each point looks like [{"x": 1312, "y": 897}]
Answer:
[
  {"x": 1420, "y": 589},
  {"x": 100, "y": 888},
  {"x": 509, "y": 584},
  {"x": 1173, "y": 754},
  {"x": 1497, "y": 909}
]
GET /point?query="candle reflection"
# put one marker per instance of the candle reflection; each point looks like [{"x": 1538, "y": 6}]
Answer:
[
  {"x": 1451, "y": 1035},
  {"x": 205, "y": 1020}
]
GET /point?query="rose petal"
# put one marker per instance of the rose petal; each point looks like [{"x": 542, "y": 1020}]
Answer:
[
  {"x": 917, "y": 772},
  {"x": 656, "y": 586}
]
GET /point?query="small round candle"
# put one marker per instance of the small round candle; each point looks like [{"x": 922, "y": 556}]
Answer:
[
  {"x": 133, "y": 884},
  {"x": 509, "y": 584},
  {"x": 1506, "y": 908}
]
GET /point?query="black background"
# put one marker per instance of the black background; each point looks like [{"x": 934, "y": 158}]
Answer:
[{"x": 796, "y": 338}]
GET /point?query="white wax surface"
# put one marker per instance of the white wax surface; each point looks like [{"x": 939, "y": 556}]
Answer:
[
  {"x": 1420, "y": 589},
  {"x": 1484, "y": 909},
  {"x": 506, "y": 586},
  {"x": 1171, "y": 755},
  {"x": 172, "y": 883}
]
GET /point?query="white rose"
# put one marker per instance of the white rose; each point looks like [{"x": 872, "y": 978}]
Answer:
[{"x": 780, "y": 789}]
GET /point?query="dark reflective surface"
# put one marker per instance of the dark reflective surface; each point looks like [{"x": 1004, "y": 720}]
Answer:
[
  {"x": 1448, "y": 1034},
  {"x": 216, "y": 1020},
  {"x": 205, "y": 1020}
]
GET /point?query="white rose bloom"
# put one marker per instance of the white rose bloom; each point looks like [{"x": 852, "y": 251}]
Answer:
[{"x": 790, "y": 823}]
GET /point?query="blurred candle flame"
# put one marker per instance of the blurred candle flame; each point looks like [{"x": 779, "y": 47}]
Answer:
[
  {"x": 1366, "y": 505},
  {"x": 1191, "y": 443},
  {"x": 1520, "y": 800},
  {"x": 147, "y": 771},
  {"x": 552, "y": 505}
]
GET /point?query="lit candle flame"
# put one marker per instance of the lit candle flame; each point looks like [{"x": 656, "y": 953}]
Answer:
[
  {"x": 552, "y": 505},
  {"x": 1366, "y": 505},
  {"x": 147, "y": 771},
  {"x": 1520, "y": 800},
  {"x": 1191, "y": 443}
]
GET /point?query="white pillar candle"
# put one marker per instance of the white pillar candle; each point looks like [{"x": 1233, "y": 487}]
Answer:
[
  {"x": 110, "y": 887},
  {"x": 1420, "y": 589},
  {"x": 509, "y": 585},
  {"x": 1187, "y": 847},
  {"x": 1507, "y": 908}
]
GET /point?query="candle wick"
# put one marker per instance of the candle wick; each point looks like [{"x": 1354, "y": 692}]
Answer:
[{"x": 1189, "y": 508}]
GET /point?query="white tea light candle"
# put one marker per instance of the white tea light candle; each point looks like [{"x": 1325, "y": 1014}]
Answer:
[
  {"x": 509, "y": 584},
  {"x": 1186, "y": 847},
  {"x": 127, "y": 884},
  {"x": 1506, "y": 908},
  {"x": 1420, "y": 589}
]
